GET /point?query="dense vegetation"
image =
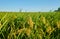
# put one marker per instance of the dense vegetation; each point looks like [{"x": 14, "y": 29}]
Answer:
[
  {"x": 29, "y": 25},
  {"x": 58, "y": 10}
]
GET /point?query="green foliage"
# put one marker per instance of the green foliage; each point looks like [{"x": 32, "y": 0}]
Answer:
[{"x": 29, "y": 25}]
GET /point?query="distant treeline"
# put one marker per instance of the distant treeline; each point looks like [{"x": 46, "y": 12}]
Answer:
[{"x": 58, "y": 10}]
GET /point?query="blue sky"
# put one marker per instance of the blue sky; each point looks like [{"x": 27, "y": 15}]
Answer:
[{"x": 29, "y": 5}]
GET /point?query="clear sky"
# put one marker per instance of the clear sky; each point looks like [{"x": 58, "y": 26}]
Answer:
[{"x": 29, "y": 5}]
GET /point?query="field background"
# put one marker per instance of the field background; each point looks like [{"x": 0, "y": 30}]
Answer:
[{"x": 29, "y": 25}]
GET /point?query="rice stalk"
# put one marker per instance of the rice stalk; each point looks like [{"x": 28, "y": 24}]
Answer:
[{"x": 30, "y": 22}]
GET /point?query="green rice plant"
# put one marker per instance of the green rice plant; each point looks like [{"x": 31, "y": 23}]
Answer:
[{"x": 29, "y": 25}]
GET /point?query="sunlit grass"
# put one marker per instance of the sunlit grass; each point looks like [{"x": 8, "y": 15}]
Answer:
[{"x": 29, "y": 25}]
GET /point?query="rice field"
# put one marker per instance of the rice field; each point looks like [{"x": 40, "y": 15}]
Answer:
[{"x": 29, "y": 25}]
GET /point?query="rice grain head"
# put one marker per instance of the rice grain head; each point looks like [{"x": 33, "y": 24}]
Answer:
[
  {"x": 58, "y": 24},
  {"x": 0, "y": 24},
  {"x": 28, "y": 31},
  {"x": 19, "y": 31},
  {"x": 47, "y": 24},
  {"x": 30, "y": 22},
  {"x": 48, "y": 29},
  {"x": 43, "y": 20}
]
